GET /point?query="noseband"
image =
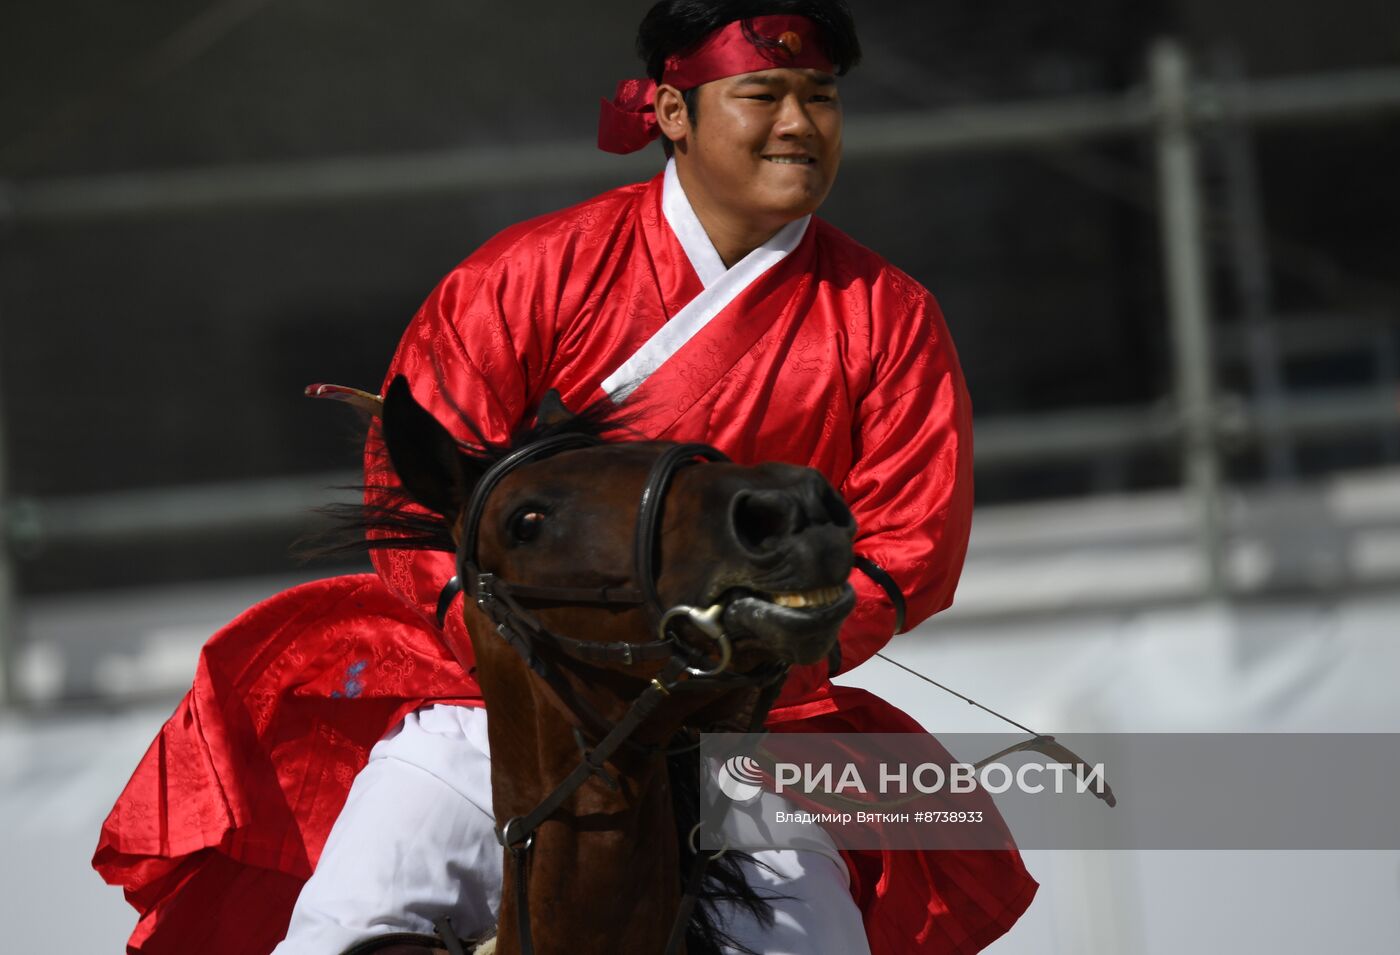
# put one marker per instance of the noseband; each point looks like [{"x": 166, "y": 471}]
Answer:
[{"x": 684, "y": 665}]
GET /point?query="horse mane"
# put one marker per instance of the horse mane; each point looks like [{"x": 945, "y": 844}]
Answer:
[{"x": 396, "y": 521}]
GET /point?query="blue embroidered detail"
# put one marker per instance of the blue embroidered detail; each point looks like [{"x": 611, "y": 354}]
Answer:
[{"x": 353, "y": 686}]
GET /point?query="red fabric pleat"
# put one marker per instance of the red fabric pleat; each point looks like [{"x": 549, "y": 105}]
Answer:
[
  {"x": 227, "y": 813},
  {"x": 229, "y": 809},
  {"x": 947, "y": 902}
]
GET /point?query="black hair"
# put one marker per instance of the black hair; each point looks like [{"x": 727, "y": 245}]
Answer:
[{"x": 675, "y": 26}]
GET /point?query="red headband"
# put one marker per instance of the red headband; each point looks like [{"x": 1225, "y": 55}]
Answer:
[{"x": 628, "y": 123}]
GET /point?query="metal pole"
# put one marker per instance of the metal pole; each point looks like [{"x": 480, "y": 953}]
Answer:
[
  {"x": 9, "y": 616},
  {"x": 1387, "y": 386},
  {"x": 1179, "y": 195},
  {"x": 1253, "y": 287},
  {"x": 1325, "y": 97}
]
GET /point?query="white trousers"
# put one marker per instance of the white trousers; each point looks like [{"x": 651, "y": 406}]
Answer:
[{"x": 416, "y": 841}]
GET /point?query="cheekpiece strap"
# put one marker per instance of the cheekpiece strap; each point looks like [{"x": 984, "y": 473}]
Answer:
[{"x": 649, "y": 512}]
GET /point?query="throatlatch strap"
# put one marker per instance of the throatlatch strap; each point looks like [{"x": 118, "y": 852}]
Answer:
[
  {"x": 687, "y": 903},
  {"x": 877, "y": 573}
]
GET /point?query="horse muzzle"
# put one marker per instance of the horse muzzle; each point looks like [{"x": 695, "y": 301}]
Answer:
[
  {"x": 798, "y": 634},
  {"x": 786, "y": 594}
]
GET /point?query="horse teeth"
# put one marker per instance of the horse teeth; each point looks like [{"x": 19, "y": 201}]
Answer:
[{"x": 807, "y": 598}]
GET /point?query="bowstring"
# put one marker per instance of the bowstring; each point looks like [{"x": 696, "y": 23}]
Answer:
[{"x": 965, "y": 699}]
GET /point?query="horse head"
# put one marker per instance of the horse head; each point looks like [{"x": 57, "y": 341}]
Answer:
[
  {"x": 766, "y": 549},
  {"x": 618, "y": 596}
]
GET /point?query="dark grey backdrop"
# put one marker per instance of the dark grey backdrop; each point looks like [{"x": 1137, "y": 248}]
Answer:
[{"x": 144, "y": 351}]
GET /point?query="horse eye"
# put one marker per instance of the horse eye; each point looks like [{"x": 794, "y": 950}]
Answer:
[{"x": 525, "y": 524}]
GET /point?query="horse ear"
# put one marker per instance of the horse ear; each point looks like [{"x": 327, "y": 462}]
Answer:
[
  {"x": 424, "y": 454},
  {"x": 552, "y": 411}
]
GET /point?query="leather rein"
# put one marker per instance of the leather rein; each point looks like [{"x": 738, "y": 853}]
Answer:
[{"x": 684, "y": 665}]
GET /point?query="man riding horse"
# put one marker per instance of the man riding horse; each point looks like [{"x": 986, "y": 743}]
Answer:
[{"x": 709, "y": 305}]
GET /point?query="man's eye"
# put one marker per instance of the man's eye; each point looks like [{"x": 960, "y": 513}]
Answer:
[
  {"x": 526, "y": 524},
  {"x": 765, "y": 97}
]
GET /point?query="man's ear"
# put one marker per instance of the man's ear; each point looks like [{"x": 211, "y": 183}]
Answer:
[
  {"x": 672, "y": 115},
  {"x": 424, "y": 454}
]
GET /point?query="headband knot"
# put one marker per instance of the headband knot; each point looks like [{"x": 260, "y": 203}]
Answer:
[{"x": 628, "y": 121}]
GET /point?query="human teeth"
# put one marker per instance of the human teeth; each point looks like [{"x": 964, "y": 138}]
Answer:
[
  {"x": 788, "y": 160},
  {"x": 807, "y": 598}
]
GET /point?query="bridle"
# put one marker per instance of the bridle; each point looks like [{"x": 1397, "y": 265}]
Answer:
[
  {"x": 499, "y": 600},
  {"x": 683, "y": 666}
]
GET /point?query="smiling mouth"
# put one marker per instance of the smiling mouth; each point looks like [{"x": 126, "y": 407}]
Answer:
[{"x": 791, "y": 160}]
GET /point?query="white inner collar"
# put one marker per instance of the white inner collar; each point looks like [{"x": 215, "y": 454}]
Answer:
[
  {"x": 675, "y": 206},
  {"x": 686, "y": 225},
  {"x": 722, "y": 286}
]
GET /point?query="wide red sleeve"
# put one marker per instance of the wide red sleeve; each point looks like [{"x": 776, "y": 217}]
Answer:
[
  {"x": 910, "y": 484},
  {"x": 480, "y": 342},
  {"x": 475, "y": 351}
]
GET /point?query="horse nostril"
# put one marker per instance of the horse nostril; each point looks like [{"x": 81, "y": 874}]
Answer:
[
  {"x": 760, "y": 519},
  {"x": 834, "y": 507},
  {"x": 822, "y": 506}
]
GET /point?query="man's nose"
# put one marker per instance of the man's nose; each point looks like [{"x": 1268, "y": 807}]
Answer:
[{"x": 793, "y": 119}]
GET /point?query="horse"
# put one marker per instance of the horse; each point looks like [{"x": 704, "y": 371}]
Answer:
[{"x": 621, "y": 597}]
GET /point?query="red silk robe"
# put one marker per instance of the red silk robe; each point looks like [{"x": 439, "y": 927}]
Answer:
[{"x": 830, "y": 358}]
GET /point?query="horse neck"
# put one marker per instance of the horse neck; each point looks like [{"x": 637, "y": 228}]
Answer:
[{"x": 603, "y": 871}]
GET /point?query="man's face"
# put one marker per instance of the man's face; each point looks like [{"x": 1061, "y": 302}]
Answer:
[{"x": 764, "y": 146}]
